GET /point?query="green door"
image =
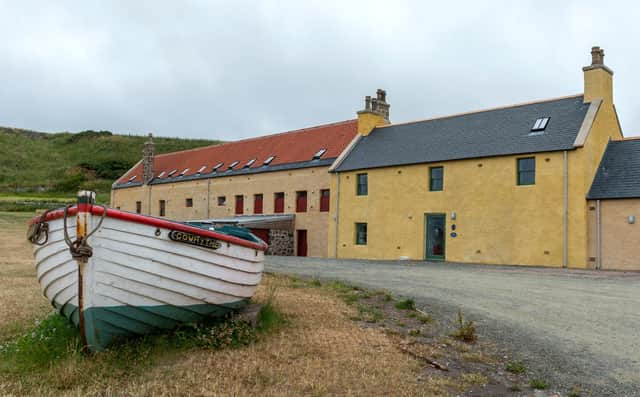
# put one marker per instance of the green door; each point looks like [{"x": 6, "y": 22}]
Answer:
[{"x": 436, "y": 230}]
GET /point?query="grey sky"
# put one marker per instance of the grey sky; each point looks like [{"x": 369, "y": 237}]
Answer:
[{"x": 237, "y": 69}]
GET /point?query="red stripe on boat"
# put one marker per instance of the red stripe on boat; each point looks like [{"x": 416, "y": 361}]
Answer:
[{"x": 157, "y": 222}]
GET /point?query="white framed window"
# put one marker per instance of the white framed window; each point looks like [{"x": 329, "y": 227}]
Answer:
[
  {"x": 319, "y": 154},
  {"x": 268, "y": 160}
]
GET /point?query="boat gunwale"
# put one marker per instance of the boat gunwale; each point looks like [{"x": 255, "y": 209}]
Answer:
[{"x": 151, "y": 221}]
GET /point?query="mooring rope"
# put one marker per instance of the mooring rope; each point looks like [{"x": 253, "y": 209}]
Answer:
[
  {"x": 38, "y": 229},
  {"x": 79, "y": 248}
]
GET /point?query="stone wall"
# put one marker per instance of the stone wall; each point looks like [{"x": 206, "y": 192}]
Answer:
[
  {"x": 280, "y": 242},
  {"x": 205, "y": 192}
]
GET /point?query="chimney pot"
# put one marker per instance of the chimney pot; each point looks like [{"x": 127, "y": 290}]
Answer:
[
  {"x": 597, "y": 55},
  {"x": 367, "y": 102}
]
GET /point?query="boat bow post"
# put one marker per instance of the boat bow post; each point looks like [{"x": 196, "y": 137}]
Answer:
[{"x": 80, "y": 249}]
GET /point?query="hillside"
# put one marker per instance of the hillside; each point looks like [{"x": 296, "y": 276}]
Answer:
[{"x": 36, "y": 162}]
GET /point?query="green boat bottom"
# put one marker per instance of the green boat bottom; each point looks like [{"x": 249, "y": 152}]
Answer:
[{"x": 107, "y": 325}]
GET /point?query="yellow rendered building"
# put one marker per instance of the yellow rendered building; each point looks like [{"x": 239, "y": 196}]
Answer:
[{"x": 500, "y": 186}]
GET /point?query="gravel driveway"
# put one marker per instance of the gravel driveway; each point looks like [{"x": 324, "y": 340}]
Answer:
[{"x": 570, "y": 327}]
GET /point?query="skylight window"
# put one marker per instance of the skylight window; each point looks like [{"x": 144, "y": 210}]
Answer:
[
  {"x": 202, "y": 169},
  {"x": 249, "y": 163},
  {"x": 319, "y": 154},
  {"x": 540, "y": 124},
  {"x": 233, "y": 164},
  {"x": 160, "y": 175},
  {"x": 132, "y": 178},
  {"x": 215, "y": 168},
  {"x": 269, "y": 160},
  {"x": 184, "y": 172},
  {"x": 172, "y": 172}
]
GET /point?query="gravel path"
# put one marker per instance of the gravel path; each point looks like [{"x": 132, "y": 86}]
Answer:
[{"x": 569, "y": 327}]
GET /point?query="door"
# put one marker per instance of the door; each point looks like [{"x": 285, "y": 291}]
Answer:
[
  {"x": 262, "y": 233},
  {"x": 436, "y": 231},
  {"x": 239, "y": 205},
  {"x": 302, "y": 243}
]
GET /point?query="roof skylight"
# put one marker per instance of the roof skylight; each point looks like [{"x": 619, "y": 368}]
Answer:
[
  {"x": 540, "y": 124},
  {"x": 132, "y": 178},
  {"x": 172, "y": 172},
  {"x": 269, "y": 160},
  {"x": 202, "y": 169},
  {"x": 215, "y": 167},
  {"x": 319, "y": 154},
  {"x": 249, "y": 163},
  {"x": 184, "y": 172},
  {"x": 233, "y": 164}
]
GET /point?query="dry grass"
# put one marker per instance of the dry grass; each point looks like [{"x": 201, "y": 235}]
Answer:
[
  {"x": 320, "y": 352},
  {"x": 20, "y": 294}
]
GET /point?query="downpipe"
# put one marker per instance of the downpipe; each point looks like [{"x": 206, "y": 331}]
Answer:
[
  {"x": 598, "y": 237},
  {"x": 565, "y": 213},
  {"x": 337, "y": 216}
]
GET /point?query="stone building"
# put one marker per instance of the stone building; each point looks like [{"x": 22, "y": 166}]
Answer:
[{"x": 276, "y": 185}]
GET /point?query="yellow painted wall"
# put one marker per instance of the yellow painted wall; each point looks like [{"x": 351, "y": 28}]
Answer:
[
  {"x": 496, "y": 221},
  {"x": 584, "y": 162},
  {"x": 205, "y": 192}
]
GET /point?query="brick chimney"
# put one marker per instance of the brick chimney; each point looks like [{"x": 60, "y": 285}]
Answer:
[
  {"x": 374, "y": 114},
  {"x": 598, "y": 78},
  {"x": 148, "y": 154}
]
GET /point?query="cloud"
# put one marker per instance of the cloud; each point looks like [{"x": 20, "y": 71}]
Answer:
[{"x": 229, "y": 70}]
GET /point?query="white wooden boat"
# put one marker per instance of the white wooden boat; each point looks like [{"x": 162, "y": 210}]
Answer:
[{"x": 132, "y": 274}]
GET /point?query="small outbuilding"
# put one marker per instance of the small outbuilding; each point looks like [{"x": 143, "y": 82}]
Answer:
[{"x": 614, "y": 208}]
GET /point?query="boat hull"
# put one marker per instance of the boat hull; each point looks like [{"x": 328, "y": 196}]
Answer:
[{"x": 139, "y": 280}]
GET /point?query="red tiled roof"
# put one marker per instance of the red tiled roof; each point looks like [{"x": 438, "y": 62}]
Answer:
[{"x": 287, "y": 147}]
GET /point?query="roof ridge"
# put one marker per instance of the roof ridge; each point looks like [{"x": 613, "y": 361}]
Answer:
[
  {"x": 259, "y": 137},
  {"x": 483, "y": 110}
]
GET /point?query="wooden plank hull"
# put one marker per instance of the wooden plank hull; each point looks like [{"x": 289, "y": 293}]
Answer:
[{"x": 140, "y": 281}]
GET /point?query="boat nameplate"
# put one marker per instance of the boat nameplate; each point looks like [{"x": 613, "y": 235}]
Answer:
[{"x": 194, "y": 239}]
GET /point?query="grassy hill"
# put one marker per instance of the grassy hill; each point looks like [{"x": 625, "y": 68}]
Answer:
[{"x": 36, "y": 164}]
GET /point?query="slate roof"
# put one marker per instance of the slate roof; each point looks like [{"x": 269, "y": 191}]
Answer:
[
  {"x": 293, "y": 149},
  {"x": 496, "y": 132},
  {"x": 618, "y": 175}
]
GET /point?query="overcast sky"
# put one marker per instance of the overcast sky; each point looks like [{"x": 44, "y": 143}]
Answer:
[{"x": 229, "y": 70}]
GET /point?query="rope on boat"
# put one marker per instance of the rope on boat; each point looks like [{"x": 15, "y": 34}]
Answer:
[
  {"x": 79, "y": 248},
  {"x": 39, "y": 229}
]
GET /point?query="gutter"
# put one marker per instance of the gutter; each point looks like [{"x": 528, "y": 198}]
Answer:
[{"x": 565, "y": 205}]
